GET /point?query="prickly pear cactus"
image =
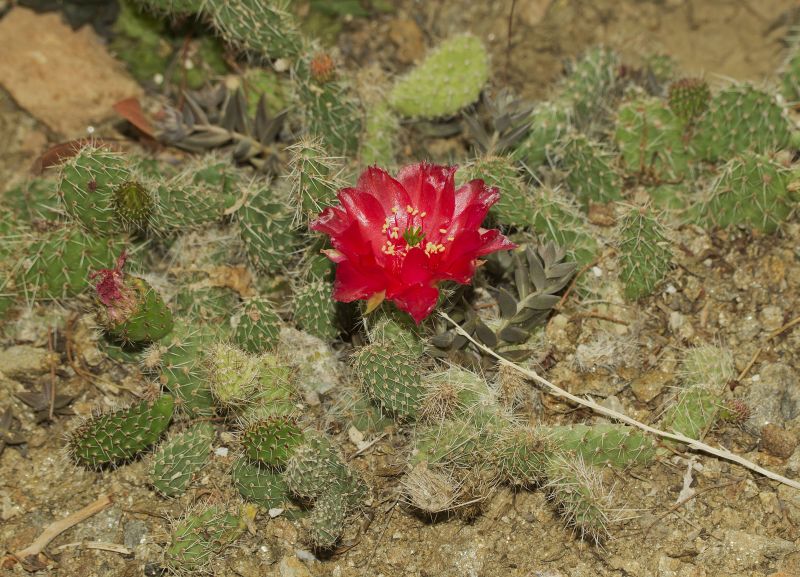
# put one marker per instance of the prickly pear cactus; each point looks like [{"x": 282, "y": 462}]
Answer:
[
  {"x": 688, "y": 99},
  {"x": 129, "y": 309},
  {"x": 644, "y": 252},
  {"x": 550, "y": 121},
  {"x": 514, "y": 207},
  {"x": 450, "y": 78},
  {"x": 58, "y": 264},
  {"x": 271, "y": 441},
  {"x": 265, "y": 227},
  {"x": 389, "y": 376},
  {"x": 180, "y": 457},
  {"x": 314, "y": 177},
  {"x": 232, "y": 374},
  {"x": 750, "y": 190},
  {"x": 650, "y": 137},
  {"x": 265, "y": 29},
  {"x": 378, "y": 142},
  {"x": 592, "y": 177},
  {"x": 617, "y": 445},
  {"x": 120, "y": 435},
  {"x": 259, "y": 484},
  {"x": 99, "y": 190},
  {"x": 315, "y": 309},
  {"x": 590, "y": 86},
  {"x": 181, "y": 363},
  {"x": 741, "y": 118},
  {"x": 259, "y": 326},
  {"x": 202, "y": 534}
]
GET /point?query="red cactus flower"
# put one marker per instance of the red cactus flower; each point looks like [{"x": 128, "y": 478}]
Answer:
[
  {"x": 119, "y": 299},
  {"x": 398, "y": 238}
]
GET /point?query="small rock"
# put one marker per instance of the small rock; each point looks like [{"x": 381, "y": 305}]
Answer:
[
  {"x": 133, "y": 533},
  {"x": 778, "y": 441},
  {"x": 21, "y": 361},
  {"x": 774, "y": 396},
  {"x": 649, "y": 385},
  {"x": 407, "y": 36},
  {"x": 43, "y": 57},
  {"x": 771, "y": 318},
  {"x": 293, "y": 567}
]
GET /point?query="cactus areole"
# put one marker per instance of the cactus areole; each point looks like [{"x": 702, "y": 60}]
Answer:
[{"x": 396, "y": 239}]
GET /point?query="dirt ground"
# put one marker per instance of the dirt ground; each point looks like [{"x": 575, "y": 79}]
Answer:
[{"x": 735, "y": 290}]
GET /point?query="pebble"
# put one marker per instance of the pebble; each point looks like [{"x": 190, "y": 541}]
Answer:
[
  {"x": 778, "y": 441},
  {"x": 293, "y": 567},
  {"x": 24, "y": 361}
]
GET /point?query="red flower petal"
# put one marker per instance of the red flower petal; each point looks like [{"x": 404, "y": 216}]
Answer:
[
  {"x": 386, "y": 189},
  {"x": 418, "y": 301},
  {"x": 370, "y": 234}
]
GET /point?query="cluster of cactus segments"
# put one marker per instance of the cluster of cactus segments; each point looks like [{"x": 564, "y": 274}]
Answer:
[{"x": 209, "y": 277}]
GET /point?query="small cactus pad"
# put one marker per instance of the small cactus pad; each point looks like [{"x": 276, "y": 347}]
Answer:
[
  {"x": 592, "y": 177},
  {"x": 390, "y": 377},
  {"x": 688, "y": 98},
  {"x": 259, "y": 326},
  {"x": 739, "y": 119},
  {"x": 199, "y": 536},
  {"x": 271, "y": 441},
  {"x": 617, "y": 445},
  {"x": 129, "y": 308},
  {"x": 180, "y": 457},
  {"x": 751, "y": 190},
  {"x": 578, "y": 492},
  {"x": 259, "y": 484},
  {"x": 644, "y": 252},
  {"x": 450, "y": 78},
  {"x": 120, "y": 435}
]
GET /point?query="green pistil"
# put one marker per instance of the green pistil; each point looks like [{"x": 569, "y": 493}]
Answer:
[{"x": 413, "y": 236}]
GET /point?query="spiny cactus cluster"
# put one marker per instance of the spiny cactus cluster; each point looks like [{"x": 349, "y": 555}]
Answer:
[{"x": 211, "y": 278}]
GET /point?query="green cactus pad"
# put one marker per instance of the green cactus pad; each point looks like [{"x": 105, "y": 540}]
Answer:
[
  {"x": 265, "y": 29},
  {"x": 450, "y": 78},
  {"x": 271, "y": 441},
  {"x": 327, "y": 520},
  {"x": 259, "y": 326},
  {"x": 58, "y": 264},
  {"x": 232, "y": 374},
  {"x": 739, "y": 119},
  {"x": 276, "y": 393},
  {"x": 550, "y": 121},
  {"x": 617, "y": 445},
  {"x": 259, "y": 484},
  {"x": 694, "y": 411},
  {"x": 198, "y": 196},
  {"x": 180, "y": 457},
  {"x": 514, "y": 208},
  {"x": 182, "y": 369},
  {"x": 89, "y": 187},
  {"x": 313, "y": 177},
  {"x": 142, "y": 318},
  {"x": 199, "y": 536},
  {"x": 315, "y": 469},
  {"x": 688, "y": 99},
  {"x": 265, "y": 227},
  {"x": 330, "y": 108},
  {"x": 650, "y": 137},
  {"x": 750, "y": 190},
  {"x": 120, "y": 435},
  {"x": 390, "y": 377},
  {"x": 315, "y": 309},
  {"x": 644, "y": 252},
  {"x": 578, "y": 493},
  {"x": 590, "y": 86},
  {"x": 560, "y": 220},
  {"x": 522, "y": 455},
  {"x": 591, "y": 176}
]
